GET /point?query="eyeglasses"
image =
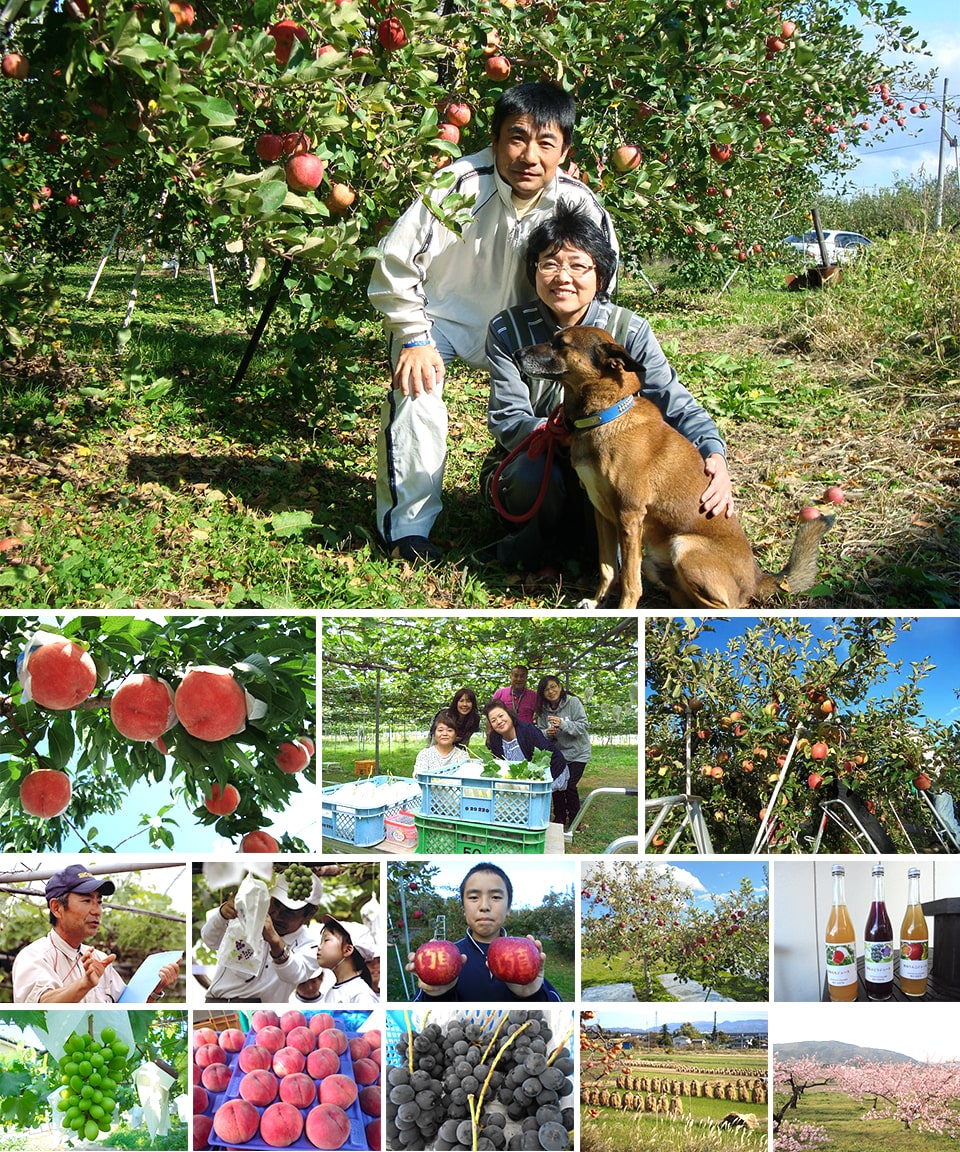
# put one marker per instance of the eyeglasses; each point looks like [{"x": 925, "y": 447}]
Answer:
[{"x": 551, "y": 268}]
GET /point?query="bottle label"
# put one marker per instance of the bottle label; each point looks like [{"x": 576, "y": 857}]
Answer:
[
  {"x": 841, "y": 964},
  {"x": 914, "y": 959},
  {"x": 878, "y": 962}
]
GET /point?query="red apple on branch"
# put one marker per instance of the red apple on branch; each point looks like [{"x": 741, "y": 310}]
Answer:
[
  {"x": 15, "y": 66},
  {"x": 720, "y": 152},
  {"x": 626, "y": 157},
  {"x": 497, "y": 67},
  {"x": 269, "y": 147},
  {"x": 819, "y": 751},
  {"x": 391, "y": 34},
  {"x": 304, "y": 172},
  {"x": 458, "y": 114}
]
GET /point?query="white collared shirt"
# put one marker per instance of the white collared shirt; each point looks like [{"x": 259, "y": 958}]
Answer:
[{"x": 49, "y": 963}]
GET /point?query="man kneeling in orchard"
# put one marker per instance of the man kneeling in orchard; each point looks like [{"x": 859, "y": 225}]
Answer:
[{"x": 57, "y": 969}]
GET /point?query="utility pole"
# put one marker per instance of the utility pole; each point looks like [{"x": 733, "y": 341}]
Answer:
[{"x": 943, "y": 150}]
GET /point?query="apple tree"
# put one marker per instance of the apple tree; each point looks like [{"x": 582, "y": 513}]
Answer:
[
  {"x": 647, "y": 912},
  {"x": 286, "y": 137},
  {"x": 65, "y": 761},
  {"x": 765, "y": 728}
]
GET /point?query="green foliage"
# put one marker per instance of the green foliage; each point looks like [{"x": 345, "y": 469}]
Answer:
[
  {"x": 124, "y": 108},
  {"x": 909, "y": 206},
  {"x": 413, "y": 667},
  {"x": 776, "y": 673},
  {"x": 140, "y": 1139},
  {"x": 273, "y": 658}
]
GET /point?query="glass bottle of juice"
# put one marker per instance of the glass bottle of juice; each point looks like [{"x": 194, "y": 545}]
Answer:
[
  {"x": 878, "y": 944},
  {"x": 914, "y": 941},
  {"x": 841, "y": 944}
]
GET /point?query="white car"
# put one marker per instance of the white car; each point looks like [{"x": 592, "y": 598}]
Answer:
[{"x": 841, "y": 246}]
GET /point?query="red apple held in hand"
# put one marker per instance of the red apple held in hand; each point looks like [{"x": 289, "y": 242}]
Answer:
[
  {"x": 514, "y": 959},
  {"x": 304, "y": 172},
  {"x": 391, "y": 34},
  {"x": 14, "y": 66},
  {"x": 437, "y": 962},
  {"x": 626, "y": 157},
  {"x": 497, "y": 67}
]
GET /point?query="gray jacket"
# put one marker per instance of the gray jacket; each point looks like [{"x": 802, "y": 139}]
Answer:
[
  {"x": 517, "y": 405},
  {"x": 573, "y": 739}
]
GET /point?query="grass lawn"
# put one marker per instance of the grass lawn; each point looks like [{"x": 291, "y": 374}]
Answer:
[
  {"x": 147, "y": 479},
  {"x": 840, "y": 1116},
  {"x": 612, "y": 1131},
  {"x": 629, "y": 969},
  {"x": 607, "y": 818}
]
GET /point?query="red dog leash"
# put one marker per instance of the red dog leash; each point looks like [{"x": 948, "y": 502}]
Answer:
[{"x": 541, "y": 440}]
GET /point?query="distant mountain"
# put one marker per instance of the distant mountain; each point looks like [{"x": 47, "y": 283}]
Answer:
[
  {"x": 836, "y": 1052},
  {"x": 706, "y": 1027}
]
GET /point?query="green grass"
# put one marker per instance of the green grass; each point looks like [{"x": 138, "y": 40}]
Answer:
[
  {"x": 629, "y": 969},
  {"x": 840, "y": 1116},
  {"x": 147, "y": 480},
  {"x": 613, "y": 1131},
  {"x": 611, "y": 766}
]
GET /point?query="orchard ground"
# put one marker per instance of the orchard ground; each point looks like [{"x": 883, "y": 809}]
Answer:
[{"x": 144, "y": 479}]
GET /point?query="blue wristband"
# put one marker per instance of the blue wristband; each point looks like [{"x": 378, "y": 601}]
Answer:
[{"x": 420, "y": 342}]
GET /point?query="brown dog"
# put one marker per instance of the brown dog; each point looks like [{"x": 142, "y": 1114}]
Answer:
[{"x": 645, "y": 480}]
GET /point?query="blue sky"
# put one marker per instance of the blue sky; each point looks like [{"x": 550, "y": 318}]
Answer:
[
  {"x": 937, "y": 637},
  {"x": 656, "y": 1015},
  {"x": 902, "y": 155}
]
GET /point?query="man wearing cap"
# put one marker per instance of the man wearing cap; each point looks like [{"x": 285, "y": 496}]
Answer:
[
  {"x": 290, "y": 955},
  {"x": 57, "y": 969}
]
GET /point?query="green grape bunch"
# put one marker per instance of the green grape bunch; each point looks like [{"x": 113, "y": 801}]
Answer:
[
  {"x": 90, "y": 1071},
  {"x": 299, "y": 881}
]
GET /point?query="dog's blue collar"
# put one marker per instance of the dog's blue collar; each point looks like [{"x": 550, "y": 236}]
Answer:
[{"x": 606, "y": 416}]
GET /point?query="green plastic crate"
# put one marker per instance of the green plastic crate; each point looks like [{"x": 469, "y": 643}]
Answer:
[{"x": 435, "y": 835}]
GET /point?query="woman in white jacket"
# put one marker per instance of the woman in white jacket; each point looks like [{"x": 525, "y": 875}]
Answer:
[{"x": 563, "y": 720}]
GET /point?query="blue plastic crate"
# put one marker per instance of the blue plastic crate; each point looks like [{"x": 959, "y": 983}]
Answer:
[
  {"x": 360, "y": 826},
  {"x": 486, "y": 800}
]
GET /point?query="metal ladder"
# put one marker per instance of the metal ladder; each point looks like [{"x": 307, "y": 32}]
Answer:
[{"x": 692, "y": 820}]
